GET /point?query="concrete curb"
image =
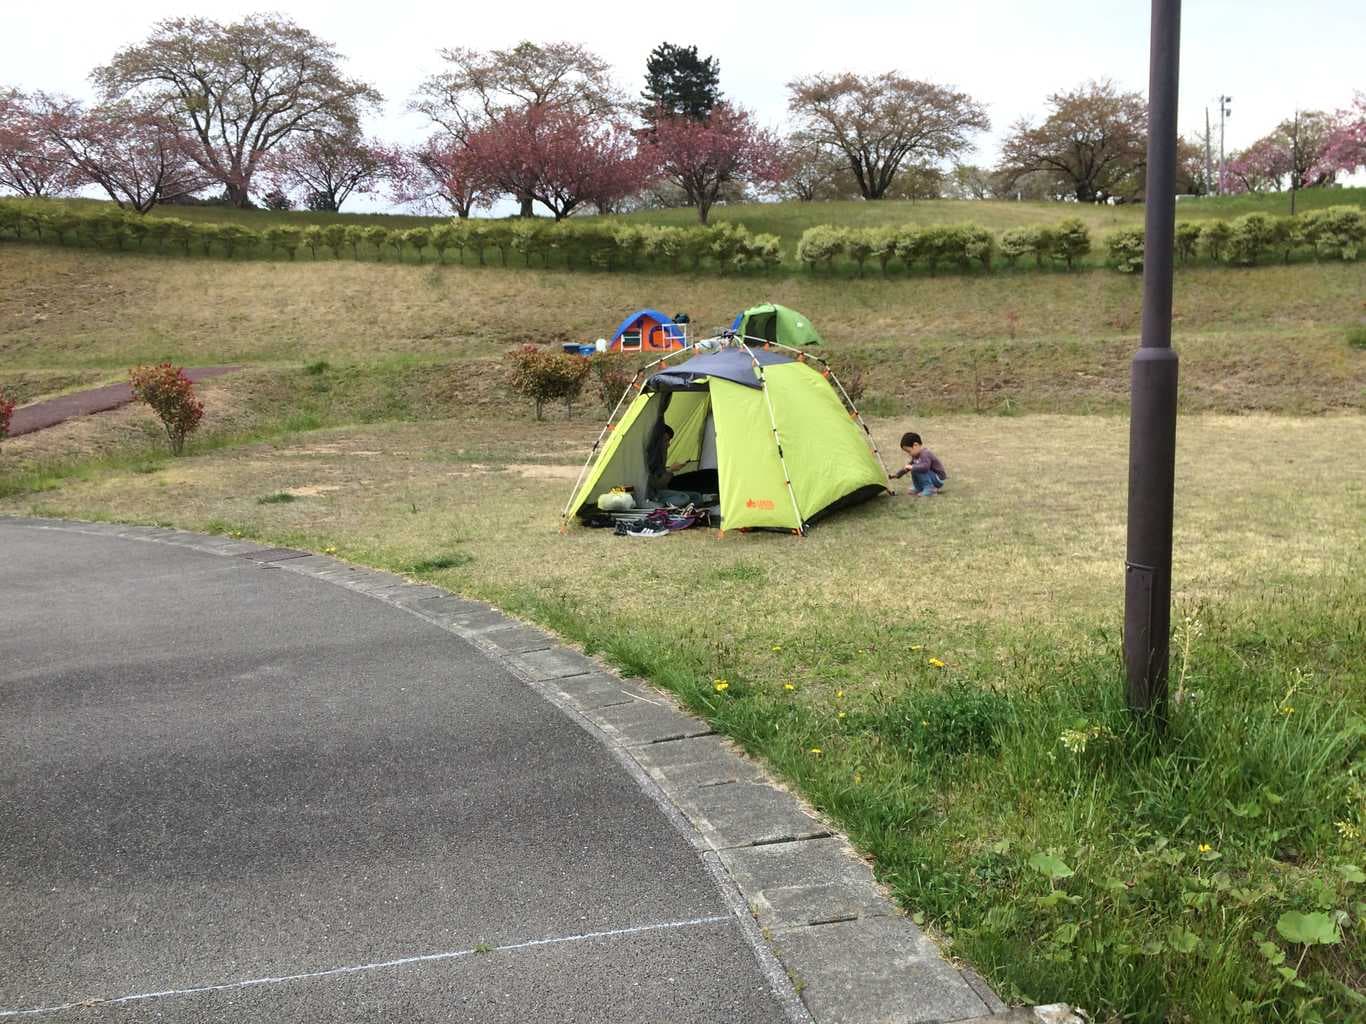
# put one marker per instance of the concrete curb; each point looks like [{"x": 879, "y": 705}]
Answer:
[{"x": 818, "y": 922}]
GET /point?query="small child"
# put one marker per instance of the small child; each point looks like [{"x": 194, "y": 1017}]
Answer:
[{"x": 927, "y": 472}]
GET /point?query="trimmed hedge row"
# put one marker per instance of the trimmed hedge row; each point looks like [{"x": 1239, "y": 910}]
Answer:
[
  {"x": 573, "y": 244},
  {"x": 1333, "y": 233},
  {"x": 954, "y": 245}
]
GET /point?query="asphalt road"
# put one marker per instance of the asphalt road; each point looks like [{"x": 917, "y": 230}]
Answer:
[{"x": 236, "y": 793}]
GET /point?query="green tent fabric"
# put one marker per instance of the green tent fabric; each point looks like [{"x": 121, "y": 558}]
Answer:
[
  {"x": 786, "y": 452},
  {"x": 771, "y": 322}
]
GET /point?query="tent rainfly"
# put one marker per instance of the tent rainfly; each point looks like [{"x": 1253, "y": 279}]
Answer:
[{"x": 763, "y": 429}]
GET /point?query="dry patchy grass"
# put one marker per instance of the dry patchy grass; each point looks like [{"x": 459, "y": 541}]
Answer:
[
  {"x": 1029, "y": 535},
  {"x": 1270, "y": 339}
]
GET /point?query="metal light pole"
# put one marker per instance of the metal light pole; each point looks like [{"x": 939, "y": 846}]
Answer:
[{"x": 1152, "y": 427}]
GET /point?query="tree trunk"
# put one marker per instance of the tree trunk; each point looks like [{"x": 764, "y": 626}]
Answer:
[
  {"x": 239, "y": 196},
  {"x": 703, "y": 208},
  {"x": 526, "y": 210}
]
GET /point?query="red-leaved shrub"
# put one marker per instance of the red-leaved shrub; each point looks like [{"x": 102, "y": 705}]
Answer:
[
  {"x": 6, "y": 411},
  {"x": 171, "y": 395}
]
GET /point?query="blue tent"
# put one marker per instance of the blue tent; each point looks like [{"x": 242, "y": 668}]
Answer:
[{"x": 648, "y": 330}]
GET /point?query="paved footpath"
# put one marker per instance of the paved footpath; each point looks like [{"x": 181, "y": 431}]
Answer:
[
  {"x": 251, "y": 784},
  {"x": 49, "y": 413}
]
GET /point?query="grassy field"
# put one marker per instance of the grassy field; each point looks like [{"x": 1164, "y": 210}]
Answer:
[{"x": 997, "y": 787}]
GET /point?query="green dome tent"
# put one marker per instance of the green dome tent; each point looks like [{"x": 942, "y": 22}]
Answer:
[
  {"x": 764, "y": 430},
  {"x": 771, "y": 322}
]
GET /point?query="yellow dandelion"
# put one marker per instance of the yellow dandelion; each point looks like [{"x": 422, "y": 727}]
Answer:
[
  {"x": 329, "y": 550},
  {"x": 917, "y": 647},
  {"x": 789, "y": 687},
  {"x": 839, "y": 694},
  {"x": 858, "y": 777},
  {"x": 816, "y": 751},
  {"x": 1286, "y": 709},
  {"x": 840, "y": 715},
  {"x": 936, "y": 663},
  {"x": 1205, "y": 848},
  {"x": 720, "y": 686},
  {"x": 777, "y": 647}
]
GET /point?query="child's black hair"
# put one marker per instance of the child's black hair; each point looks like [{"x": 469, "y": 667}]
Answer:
[{"x": 909, "y": 438}]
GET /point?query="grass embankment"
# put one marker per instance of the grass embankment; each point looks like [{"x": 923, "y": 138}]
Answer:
[
  {"x": 976, "y": 785},
  {"x": 1274, "y": 340}
]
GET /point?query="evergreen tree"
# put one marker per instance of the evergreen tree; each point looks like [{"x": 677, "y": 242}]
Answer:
[{"x": 680, "y": 83}]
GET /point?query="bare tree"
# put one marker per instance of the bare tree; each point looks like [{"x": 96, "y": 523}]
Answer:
[
  {"x": 1093, "y": 144},
  {"x": 882, "y": 123},
  {"x": 477, "y": 89},
  {"x": 240, "y": 89}
]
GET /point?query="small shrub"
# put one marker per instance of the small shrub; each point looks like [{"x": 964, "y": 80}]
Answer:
[
  {"x": 1015, "y": 243},
  {"x": 1071, "y": 241},
  {"x": 334, "y": 237},
  {"x": 1248, "y": 238},
  {"x": 859, "y": 244},
  {"x": 170, "y": 394},
  {"x": 234, "y": 237},
  {"x": 1126, "y": 250},
  {"x": 883, "y": 242},
  {"x": 613, "y": 377},
  {"x": 1214, "y": 237},
  {"x": 910, "y": 245},
  {"x": 375, "y": 237},
  {"x": 1287, "y": 235},
  {"x": 821, "y": 244},
  {"x": 979, "y": 244},
  {"x": 313, "y": 237},
  {"x": 542, "y": 376},
  {"x": 1337, "y": 233},
  {"x": 6, "y": 413},
  {"x": 1186, "y": 241},
  {"x": 419, "y": 239}
]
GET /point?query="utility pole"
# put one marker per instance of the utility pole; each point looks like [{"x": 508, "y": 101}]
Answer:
[
  {"x": 1224, "y": 111},
  {"x": 1152, "y": 396},
  {"x": 1209, "y": 163}
]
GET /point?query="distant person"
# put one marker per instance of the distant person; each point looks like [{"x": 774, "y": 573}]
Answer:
[
  {"x": 657, "y": 459},
  {"x": 927, "y": 472}
]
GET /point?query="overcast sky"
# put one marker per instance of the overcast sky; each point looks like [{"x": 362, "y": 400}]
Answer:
[{"x": 1009, "y": 54}]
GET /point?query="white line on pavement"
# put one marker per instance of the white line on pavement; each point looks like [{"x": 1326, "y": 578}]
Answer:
[{"x": 355, "y": 968}]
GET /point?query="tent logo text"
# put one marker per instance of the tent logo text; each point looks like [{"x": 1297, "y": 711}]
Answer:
[{"x": 762, "y": 503}]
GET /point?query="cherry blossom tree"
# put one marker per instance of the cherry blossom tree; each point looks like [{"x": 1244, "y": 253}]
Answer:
[
  {"x": 239, "y": 90},
  {"x": 703, "y": 157},
  {"x": 30, "y": 162},
  {"x": 477, "y": 89},
  {"x": 1344, "y": 149},
  {"x": 138, "y": 155},
  {"x": 329, "y": 167},
  {"x": 440, "y": 173},
  {"x": 561, "y": 157}
]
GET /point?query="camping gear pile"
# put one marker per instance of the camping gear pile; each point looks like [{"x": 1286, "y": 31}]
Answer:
[{"x": 763, "y": 437}]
